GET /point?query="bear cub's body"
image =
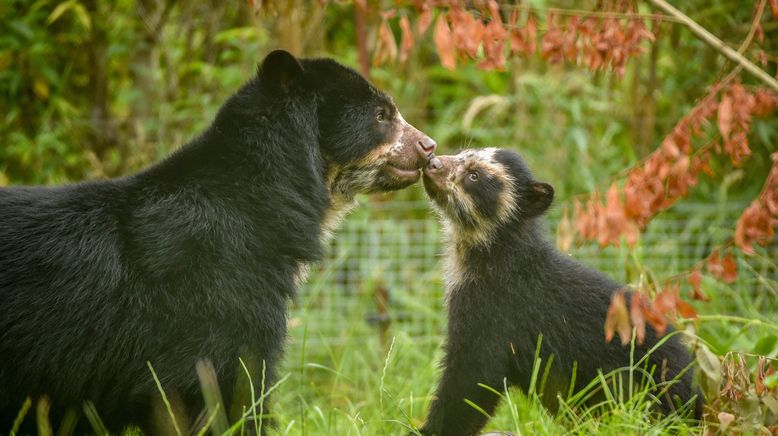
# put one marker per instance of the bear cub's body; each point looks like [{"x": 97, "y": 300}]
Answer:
[{"x": 506, "y": 285}]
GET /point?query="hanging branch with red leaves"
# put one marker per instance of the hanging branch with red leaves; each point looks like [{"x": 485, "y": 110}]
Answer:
[
  {"x": 481, "y": 33},
  {"x": 489, "y": 34},
  {"x": 666, "y": 176},
  {"x": 757, "y": 223},
  {"x": 669, "y": 173}
]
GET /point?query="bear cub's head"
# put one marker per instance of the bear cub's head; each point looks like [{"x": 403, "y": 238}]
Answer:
[
  {"x": 366, "y": 143},
  {"x": 477, "y": 191}
]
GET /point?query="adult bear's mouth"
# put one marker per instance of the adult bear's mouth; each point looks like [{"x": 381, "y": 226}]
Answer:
[
  {"x": 408, "y": 154},
  {"x": 403, "y": 172}
]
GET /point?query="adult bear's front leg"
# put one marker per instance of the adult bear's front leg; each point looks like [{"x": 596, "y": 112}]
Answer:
[{"x": 249, "y": 405}]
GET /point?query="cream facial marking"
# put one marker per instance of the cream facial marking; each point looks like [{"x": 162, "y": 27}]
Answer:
[
  {"x": 340, "y": 206},
  {"x": 395, "y": 153},
  {"x": 455, "y": 271},
  {"x": 392, "y": 165},
  {"x": 457, "y": 207},
  {"x": 457, "y": 204},
  {"x": 397, "y": 146},
  {"x": 481, "y": 154}
]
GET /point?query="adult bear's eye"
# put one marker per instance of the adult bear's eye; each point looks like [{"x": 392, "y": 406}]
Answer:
[
  {"x": 473, "y": 177},
  {"x": 381, "y": 116}
]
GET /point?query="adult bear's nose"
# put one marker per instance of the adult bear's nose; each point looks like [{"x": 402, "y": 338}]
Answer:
[{"x": 426, "y": 146}]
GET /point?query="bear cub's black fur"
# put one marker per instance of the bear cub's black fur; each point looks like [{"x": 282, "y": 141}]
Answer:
[
  {"x": 196, "y": 257},
  {"x": 506, "y": 284}
]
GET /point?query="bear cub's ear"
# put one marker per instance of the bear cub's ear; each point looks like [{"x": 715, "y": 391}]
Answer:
[
  {"x": 538, "y": 198},
  {"x": 280, "y": 70}
]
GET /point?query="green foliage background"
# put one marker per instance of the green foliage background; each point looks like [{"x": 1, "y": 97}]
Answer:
[
  {"x": 93, "y": 89},
  {"x": 99, "y": 89}
]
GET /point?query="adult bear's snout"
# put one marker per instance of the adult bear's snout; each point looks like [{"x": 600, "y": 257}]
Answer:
[
  {"x": 426, "y": 146},
  {"x": 423, "y": 145}
]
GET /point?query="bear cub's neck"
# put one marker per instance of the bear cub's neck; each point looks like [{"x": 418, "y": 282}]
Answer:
[{"x": 514, "y": 246}]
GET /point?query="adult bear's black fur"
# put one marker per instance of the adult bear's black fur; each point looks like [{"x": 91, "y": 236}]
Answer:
[
  {"x": 193, "y": 258},
  {"x": 507, "y": 284}
]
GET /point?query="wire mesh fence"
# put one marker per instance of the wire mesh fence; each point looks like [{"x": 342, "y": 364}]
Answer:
[{"x": 382, "y": 273}]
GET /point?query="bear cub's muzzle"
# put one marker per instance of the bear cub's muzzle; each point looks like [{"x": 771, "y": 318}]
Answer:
[{"x": 436, "y": 172}]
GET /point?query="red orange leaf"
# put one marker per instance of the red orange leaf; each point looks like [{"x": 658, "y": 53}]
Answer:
[
  {"x": 695, "y": 279},
  {"x": 754, "y": 225},
  {"x": 407, "y": 38},
  {"x": 424, "y": 21},
  {"x": 714, "y": 265},
  {"x": 444, "y": 43},
  {"x": 759, "y": 386},
  {"x": 617, "y": 319},
  {"x": 655, "y": 319},
  {"x": 386, "y": 51},
  {"x": 636, "y": 315},
  {"x": 725, "y": 116},
  {"x": 729, "y": 274},
  {"x": 665, "y": 301},
  {"x": 467, "y": 32},
  {"x": 685, "y": 309},
  {"x": 493, "y": 40},
  {"x": 531, "y": 35},
  {"x": 494, "y": 11}
]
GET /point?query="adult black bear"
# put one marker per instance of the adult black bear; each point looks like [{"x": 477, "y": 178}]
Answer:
[
  {"x": 506, "y": 284},
  {"x": 193, "y": 258}
]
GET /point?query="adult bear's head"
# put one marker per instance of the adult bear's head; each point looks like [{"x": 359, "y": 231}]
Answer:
[{"x": 365, "y": 142}]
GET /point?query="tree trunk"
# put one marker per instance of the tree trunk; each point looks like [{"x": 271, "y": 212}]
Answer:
[{"x": 102, "y": 128}]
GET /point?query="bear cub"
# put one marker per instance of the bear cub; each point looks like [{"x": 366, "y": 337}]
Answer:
[
  {"x": 506, "y": 284},
  {"x": 194, "y": 258}
]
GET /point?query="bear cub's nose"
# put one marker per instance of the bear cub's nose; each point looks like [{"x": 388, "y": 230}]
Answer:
[
  {"x": 434, "y": 164},
  {"x": 427, "y": 145}
]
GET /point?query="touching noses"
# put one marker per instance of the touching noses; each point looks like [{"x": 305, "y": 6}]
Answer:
[
  {"x": 423, "y": 145},
  {"x": 435, "y": 163},
  {"x": 426, "y": 146}
]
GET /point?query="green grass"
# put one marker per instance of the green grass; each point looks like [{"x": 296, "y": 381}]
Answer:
[
  {"x": 358, "y": 388},
  {"x": 355, "y": 382}
]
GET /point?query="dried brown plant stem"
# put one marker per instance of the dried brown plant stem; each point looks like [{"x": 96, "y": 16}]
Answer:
[
  {"x": 716, "y": 43},
  {"x": 582, "y": 13},
  {"x": 754, "y": 25}
]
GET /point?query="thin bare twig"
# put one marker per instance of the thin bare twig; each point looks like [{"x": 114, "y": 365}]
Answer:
[
  {"x": 754, "y": 25},
  {"x": 748, "y": 39},
  {"x": 717, "y": 44},
  {"x": 588, "y": 13}
]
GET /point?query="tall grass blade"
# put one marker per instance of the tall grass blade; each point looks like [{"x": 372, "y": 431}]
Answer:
[
  {"x": 42, "y": 416},
  {"x": 383, "y": 375},
  {"x": 209, "y": 422},
  {"x": 90, "y": 411},
  {"x": 477, "y": 407},
  {"x": 165, "y": 400},
  {"x": 20, "y": 416},
  {"x": 68, "y": 424},
  {"x": 212, "y": 396}
]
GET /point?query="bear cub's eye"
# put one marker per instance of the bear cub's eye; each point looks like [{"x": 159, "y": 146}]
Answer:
[
  {"x": 380, "y": 116},
  {"x": 473, "y": 177}
]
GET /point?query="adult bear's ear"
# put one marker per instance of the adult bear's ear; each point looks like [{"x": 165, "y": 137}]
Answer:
[
  {"x": 280, "y": 71},
  {"x": 538, "y": 198}
]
